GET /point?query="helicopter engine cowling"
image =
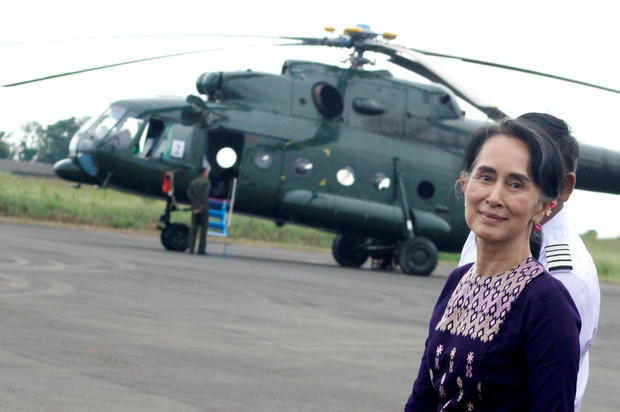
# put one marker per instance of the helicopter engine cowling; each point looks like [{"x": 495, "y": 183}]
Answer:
[{"x": 209, "y": 83}]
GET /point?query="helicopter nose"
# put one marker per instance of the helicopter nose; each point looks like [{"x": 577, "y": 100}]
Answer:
[
  {"x": 86, "y": 162},
  {"x": 79, "y": 168},
  {"x": 67, "y": 169}
]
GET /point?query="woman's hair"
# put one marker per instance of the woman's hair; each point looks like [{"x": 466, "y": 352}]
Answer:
[
  {"x": 546, "y": 167},
  {"x": 559, "y": 132}
]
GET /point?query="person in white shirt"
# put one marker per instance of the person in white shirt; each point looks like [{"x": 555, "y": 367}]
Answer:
[{"x": 562, "y": 251}]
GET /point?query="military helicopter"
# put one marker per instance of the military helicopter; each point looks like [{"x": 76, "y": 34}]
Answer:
[{"x": 354, "y": 151}]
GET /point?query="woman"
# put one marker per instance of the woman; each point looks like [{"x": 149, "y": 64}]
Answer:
[{"x": 504, "y": 333}]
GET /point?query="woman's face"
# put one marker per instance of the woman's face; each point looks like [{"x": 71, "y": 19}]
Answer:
[{"x": 501, "y": 199}]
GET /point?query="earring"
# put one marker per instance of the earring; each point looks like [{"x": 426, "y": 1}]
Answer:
[
  {"x": 537, "y": 227},
  {"x": 551, "y": 207}
]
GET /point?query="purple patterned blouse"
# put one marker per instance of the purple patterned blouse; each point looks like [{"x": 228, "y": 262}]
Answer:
[{"x": 507, "y": 342}]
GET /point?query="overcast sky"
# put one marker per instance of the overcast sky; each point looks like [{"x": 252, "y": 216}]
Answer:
[{"x": 571, "y": 39}]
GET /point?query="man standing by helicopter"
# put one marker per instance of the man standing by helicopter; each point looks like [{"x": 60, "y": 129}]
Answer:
[
  {"x": 562, "y": 252},
  {"x": 198, "y": 193}
]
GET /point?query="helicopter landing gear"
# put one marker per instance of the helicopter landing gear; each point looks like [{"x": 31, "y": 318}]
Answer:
[
  {"x": 385, "y": 263},
  {"x": 382, "y": 254},
  {"x": 350, "y": 250},
  {"x": 175, "y": 237},
  {"x": 417, "y": 256}
]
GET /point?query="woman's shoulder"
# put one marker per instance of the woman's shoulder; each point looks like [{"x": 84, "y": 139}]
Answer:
[
  {"x": 459, "y": 272},
  {"x": 548, "y": 295},
  {"x": 454, "y": 278}
]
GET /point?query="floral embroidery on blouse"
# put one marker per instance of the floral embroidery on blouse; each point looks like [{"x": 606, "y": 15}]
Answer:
[
  {"x": 438, "y": 353},
  {"x": 452, "y": 355},
  {"x": 479, "y": 304},
  {"x": 469, "y": 368}
]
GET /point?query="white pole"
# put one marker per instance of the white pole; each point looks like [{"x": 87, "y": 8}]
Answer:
[{"x": 232, "y": 201}]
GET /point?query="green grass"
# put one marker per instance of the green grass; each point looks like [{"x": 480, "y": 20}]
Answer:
[
  {"x": 58, "y": 201},
  {"x": 605, "y": 255},
  {"x": 449, "y": 257}
]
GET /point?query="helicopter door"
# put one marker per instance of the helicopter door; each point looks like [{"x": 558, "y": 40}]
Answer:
[
  {"x": 224, "y": 151},
  {"x": 260, "y": 174}
]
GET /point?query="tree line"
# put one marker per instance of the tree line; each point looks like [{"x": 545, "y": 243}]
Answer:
[{"x": 45, "y": 144}]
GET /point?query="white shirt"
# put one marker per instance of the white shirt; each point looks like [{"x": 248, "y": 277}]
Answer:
[{"x": 565, "y": 256}]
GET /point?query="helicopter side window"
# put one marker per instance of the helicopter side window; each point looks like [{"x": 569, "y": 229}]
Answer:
[
  {"x": 426, "y": 190},
  {"x": 175, "y": 142},
  {"x": 380, "y": 181},
  {"x": 263, "y": 159},
  {"x": 346, "y": 176},
  {"x": 302, "y": 166},
  {"x": 150, "y": 136}
]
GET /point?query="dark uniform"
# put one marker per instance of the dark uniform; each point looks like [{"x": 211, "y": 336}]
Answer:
[{"x": 198, "y": 194}]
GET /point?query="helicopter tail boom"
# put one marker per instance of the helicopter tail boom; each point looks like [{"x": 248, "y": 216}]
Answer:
[{"x": 598, "y": 169}]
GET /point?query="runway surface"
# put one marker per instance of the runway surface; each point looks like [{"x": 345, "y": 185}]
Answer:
[{"x": 100, "y": 321}]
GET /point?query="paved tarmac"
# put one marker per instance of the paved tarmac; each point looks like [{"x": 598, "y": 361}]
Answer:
[{"x": 105, "y": 321}]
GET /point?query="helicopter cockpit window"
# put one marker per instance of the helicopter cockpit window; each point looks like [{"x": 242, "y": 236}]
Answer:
[
  {"x": 302, "y": 166},
  {"x": 380, "y": 181},
  {"x": 263, "y": 159},
  {"x": 106, "y": 122},
  {"x": 81, "y": 137},
  {"x": 346, "y": 176},
  {"x": 124, "y": 133}
]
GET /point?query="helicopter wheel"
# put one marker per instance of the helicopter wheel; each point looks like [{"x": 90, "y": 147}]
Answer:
[
  {"x": 349, "y": 250},
  {"x": 417, "y": 256},
  {"x": 175, "y": 237}
]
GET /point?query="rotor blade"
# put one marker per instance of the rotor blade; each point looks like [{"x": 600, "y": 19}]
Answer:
[
  {"x": 144, "y": 36},
  {"x": 107, "y": 66},
  {"x": 414, "y": 61},
  {"x": 514, "y": 68}
]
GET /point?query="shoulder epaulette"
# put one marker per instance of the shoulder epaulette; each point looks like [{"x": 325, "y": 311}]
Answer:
[{"x": 558, "y": 257}]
